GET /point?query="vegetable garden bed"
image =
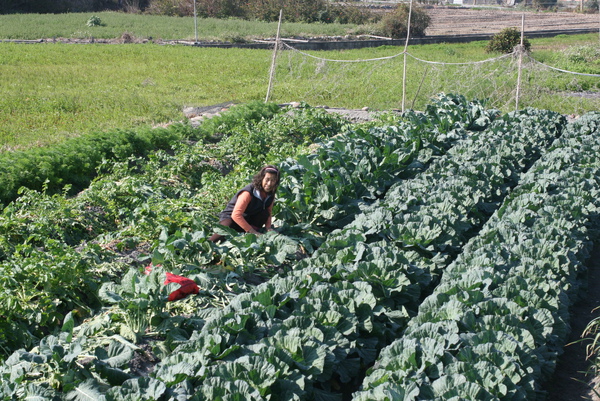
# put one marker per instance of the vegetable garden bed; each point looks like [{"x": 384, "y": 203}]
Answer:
[{"x": 409, "y": 248}]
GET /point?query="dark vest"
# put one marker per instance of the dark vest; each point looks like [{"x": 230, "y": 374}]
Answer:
[{"x": 256, "y": 208}]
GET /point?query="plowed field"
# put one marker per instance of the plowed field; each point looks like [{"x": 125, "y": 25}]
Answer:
[{"x": 463, "y": 21}]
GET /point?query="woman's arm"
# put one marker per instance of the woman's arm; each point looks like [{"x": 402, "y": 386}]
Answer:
[{"x": 268, "y": 222}]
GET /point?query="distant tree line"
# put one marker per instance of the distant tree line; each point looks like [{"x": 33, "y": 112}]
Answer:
[
  {"x": 392, "y": 24},
  {"x": 62, "y": 6},
  {"x": 264, "y": 10}
]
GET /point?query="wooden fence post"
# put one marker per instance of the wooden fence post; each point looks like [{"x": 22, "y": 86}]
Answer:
[
  {"x": 405, "y": 48},
  {"x": 272, "y": 72},
  {"x": 521, "y": 48}
]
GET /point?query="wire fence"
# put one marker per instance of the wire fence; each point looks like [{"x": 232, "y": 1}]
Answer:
[{"x": 507, "y": 82}]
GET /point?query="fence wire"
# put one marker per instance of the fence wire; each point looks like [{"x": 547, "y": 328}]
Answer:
[{"x": 378, "y": 82}]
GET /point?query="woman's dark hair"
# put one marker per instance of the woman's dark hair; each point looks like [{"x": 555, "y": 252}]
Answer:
[{"x": 257, "y": 179}]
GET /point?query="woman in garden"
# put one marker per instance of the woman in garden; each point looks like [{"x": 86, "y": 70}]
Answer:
[{"x": 251, "y": 208}]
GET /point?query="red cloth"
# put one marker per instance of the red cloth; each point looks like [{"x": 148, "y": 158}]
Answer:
[{"x": 188, "y": 286}]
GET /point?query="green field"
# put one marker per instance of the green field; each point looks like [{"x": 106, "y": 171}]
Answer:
[
  {"x": 52, "y": 91},
  {"x": 74, "y": 25}
]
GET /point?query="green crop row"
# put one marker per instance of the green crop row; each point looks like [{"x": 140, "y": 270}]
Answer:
[
  {"x": 56, "y": 250},
  {"x": 494, "y": 327},
  {"x": 172, "y": 250},
  {"x": 324, "y": 190},
  {"x": 344, "y": 304},
  {"x": 355, "y": 294},
  {"x": 312, "y": 333},
  {"x": 75, "y": 162},
  {"x": 315, "y": 327}
]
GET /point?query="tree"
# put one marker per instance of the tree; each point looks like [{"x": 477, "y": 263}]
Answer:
[
  {"x": 395, "y": 23},
  {"x": 506, "y": 40},
  {"x": 58, "y": 6}
]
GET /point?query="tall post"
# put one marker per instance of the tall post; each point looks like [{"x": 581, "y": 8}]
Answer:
[
  {"x": 405, "y": 48},
  {"x": 521, "y": 50},
  {"x": 272, "y": 71},
  {"x": 195, "y": 25}
]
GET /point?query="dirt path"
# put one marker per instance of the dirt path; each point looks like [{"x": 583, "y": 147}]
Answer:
[{"x": 570, "y": 382}]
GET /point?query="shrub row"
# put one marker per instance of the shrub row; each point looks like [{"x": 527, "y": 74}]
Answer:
[
  {"x": 264, "y": 10},
  {"x": 74, "y": 162}
]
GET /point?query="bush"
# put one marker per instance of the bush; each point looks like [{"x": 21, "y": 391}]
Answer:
[
  {"x": 506, "y": 40},
  {"x": 39, "y": 6},
  {"x": 74, "y": 162},
  {"x": 220, "y": 8},
  {"x": 545, "y": 4},
  {"x": 94, "y": 21},
  {"x": 591, "y": 7},
  {"x": 345, "y": 13},
  {"x": 265, "y": 10},
  {"x": 395, "y": 23},
  {"x": 177, "y": 8},
  {"x": 293, "y": 10}
]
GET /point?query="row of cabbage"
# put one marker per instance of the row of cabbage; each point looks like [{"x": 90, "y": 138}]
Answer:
[
  {"x": 325, "y": 189},
  {"x": 57, "y": 362},
  {"x": 312, "y": 334},
  {"x": 495, "y": 326}
]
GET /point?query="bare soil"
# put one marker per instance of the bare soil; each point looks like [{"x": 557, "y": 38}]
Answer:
[{"x": 464, "y": 21}]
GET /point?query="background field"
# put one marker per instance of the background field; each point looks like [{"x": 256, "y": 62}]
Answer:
[
  {"x": 444, "y": 21},
  {"x": 52, "y": 91},
  {"x": 154, "y": 27}
]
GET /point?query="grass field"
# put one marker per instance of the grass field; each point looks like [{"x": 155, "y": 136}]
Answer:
[
  {"x": 52, "y": 91},
  {"x": 57, "y": 90},
  {"x": 74, "y": 25}
]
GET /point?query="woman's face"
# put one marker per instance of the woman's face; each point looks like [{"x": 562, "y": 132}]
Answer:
[{"x": 269, "y": 182}]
